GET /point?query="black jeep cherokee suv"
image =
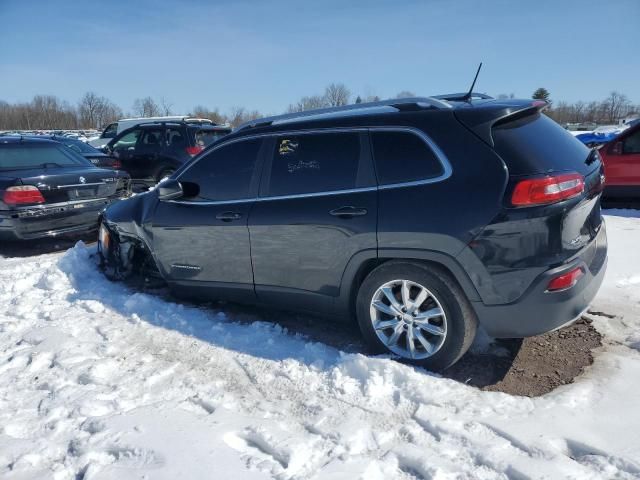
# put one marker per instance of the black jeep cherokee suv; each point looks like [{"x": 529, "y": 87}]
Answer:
[
  {"x": 152, "y": 151},
  {"x": 419, "y": 217}
]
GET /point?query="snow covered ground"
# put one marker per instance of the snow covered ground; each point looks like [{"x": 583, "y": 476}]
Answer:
[{"x": 98, "y": 382}]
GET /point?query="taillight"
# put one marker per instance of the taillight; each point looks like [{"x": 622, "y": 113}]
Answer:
[
  {"x": 545, "y": 190},
  {"x": 23, "y": 194},
  {"x": 194, "y": 150},
  {"x": 566, "y": 280},
  {"x": 116, "y": 165}
]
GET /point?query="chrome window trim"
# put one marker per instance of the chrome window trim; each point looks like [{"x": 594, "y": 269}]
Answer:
[
  {"x": 442, "y": 158},
  {"x": 446, "y": 166},
  {"x": 212, "y": 202}
]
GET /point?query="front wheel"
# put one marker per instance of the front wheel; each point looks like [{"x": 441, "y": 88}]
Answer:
[{"x": 416, "y": 312}]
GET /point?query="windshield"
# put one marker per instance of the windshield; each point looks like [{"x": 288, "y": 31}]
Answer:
[{"x": 21, "y": 156}]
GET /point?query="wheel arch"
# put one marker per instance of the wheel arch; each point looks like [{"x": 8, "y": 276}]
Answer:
[{"x": 365, "y": 262}]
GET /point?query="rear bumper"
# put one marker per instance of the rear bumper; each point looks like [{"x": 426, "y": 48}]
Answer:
[
  {"x": 44, "y": 221},
  {"x": 538, "y": 311}
]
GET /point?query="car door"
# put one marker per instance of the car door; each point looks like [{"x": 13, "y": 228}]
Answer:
[
  {"x": 622, "y": 160},
  {"x": 147, "y": 152},
  {"x": 316, "y": 211},
  {"x": 201, "y": 240},
  {"x": 123, "y": 148}
]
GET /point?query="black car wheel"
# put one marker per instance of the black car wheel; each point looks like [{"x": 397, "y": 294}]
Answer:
[{"x": 416, "y": 312}]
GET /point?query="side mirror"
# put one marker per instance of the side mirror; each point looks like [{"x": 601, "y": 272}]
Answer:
[
  {"x": 617, "y": 148},
  {"x": 105, "y": 149},
  {"x": 170, "y": 189}
]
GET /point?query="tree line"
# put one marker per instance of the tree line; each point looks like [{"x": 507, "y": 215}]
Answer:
[{"x": 96, "y": 111}]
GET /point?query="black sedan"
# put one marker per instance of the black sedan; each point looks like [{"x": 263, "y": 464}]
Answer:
[{"x": 46, "y": 189}]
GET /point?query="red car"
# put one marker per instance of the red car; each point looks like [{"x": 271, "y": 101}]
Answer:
[{"x": 621, "y": 157}]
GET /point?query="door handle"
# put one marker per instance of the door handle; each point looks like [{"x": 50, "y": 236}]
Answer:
[
  {"x": 229, "y": 216},
  {"x": 348, "y": 212}
]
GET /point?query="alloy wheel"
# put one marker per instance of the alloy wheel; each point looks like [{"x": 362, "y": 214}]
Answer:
[{"x": 408, "y": 319}]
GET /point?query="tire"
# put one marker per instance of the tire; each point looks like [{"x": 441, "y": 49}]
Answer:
[
  {"x": 164, "y": 172},
  {"x": 441, "y": 339}
]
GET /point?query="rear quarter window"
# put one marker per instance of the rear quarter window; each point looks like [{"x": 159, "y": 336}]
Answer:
[
  {"x": 204, "y": 138},
  {"x": 402, "y": 157}
]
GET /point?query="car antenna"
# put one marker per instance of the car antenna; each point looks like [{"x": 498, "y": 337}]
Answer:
[{"x": 469, "y": 94}]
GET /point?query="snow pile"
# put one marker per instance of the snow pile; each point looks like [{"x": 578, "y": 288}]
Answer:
[{"x": 97, "y": 382}]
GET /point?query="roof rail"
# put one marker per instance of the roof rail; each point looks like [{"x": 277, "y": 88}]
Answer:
[
  {"x": 453, "y": 97},
  {"x": 399, "y": 104}
]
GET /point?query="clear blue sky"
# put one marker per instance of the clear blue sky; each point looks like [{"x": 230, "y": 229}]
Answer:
[{"x": 266, "y": 54}]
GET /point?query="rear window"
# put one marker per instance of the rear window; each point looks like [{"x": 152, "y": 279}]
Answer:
[
  {"x": 207, "y": 137},
  {"x": 23, "y": 156},
  {"x": 536, "y": 144}
]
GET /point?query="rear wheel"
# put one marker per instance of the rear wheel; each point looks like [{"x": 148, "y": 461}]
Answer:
[{"x": 416, "y": 312}]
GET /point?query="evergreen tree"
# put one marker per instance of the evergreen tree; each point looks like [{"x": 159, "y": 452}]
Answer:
[
  {"x": 358, "y": 99},
  {"x": 542, "y": 94}
]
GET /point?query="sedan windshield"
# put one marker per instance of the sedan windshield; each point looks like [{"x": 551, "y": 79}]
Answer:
[{"x": 21, "y": 156}]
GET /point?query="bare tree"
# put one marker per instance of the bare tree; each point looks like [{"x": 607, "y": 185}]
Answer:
[
  {"x": 616, "y": 106},
  {"x": 146, "y": 107},
  {"x": 337, "y": 94},
  {"x": 308, "y": 103},
  {"x": 165, "y": 106},
  {"x": 240, "y": 115},
  {"x": 214, "y": 115},
  {"x": 95, "y": 111},
  {"x": 90, "y": 108}
]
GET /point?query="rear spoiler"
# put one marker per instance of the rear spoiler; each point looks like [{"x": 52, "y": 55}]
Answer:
[{"x": 481, "y": 119}]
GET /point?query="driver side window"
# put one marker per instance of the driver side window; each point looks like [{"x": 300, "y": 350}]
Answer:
[
  {"x": 127, "y": 141},
  {"x": 225, "y": 173}
]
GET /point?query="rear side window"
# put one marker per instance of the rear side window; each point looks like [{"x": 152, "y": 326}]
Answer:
[
  {"x": 175, "y": 139},
  {"x": 151, "y": 140},
  {"x": 226, "y": 172},
  {"x": 207, "y": 137},
  {"x": 536, "y": 144},
  {"x": 403, "y": 157},
  {"x": 314, "y": 163}
]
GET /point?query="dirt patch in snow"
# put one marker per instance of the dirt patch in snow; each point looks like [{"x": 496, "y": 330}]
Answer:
[{"x": 533, "y": 366}]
